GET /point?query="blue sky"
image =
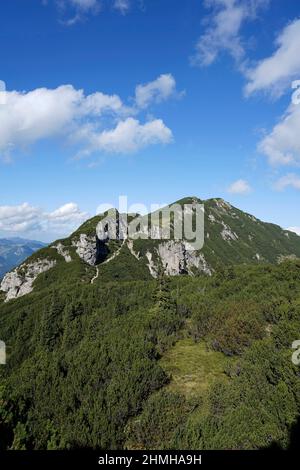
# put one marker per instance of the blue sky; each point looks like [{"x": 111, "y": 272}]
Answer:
[{"x": 153, "y": 99}]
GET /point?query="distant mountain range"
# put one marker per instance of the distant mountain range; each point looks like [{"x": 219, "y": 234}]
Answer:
[{"x": 15, "y": 250}]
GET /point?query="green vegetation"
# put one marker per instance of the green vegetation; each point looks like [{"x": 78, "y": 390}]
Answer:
[
  {"x": 256, "y": 241},
  {"x": 233, "y": 237},
  {"x": 124, "y": 267},
  {"x": 192, "y": 367},
  {"x": 250, "y": 400},
  {"x": 132, "y": 362},
  {"x": 185, "y": 362}
]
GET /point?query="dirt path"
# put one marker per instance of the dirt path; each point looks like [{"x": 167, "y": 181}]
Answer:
[{"x": 96, "y": 275}]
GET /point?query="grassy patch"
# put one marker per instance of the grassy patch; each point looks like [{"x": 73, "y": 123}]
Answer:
[{"x": 193, "y": 367}]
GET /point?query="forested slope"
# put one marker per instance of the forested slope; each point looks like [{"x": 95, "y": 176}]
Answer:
[{"x": 127, "y": 364}]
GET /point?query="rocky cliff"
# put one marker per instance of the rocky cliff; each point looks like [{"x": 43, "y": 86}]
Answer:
[{"x": 20, "y": 281}]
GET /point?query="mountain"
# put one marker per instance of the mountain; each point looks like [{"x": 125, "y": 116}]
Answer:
[
  {"x": 15, "y": 250},
  {"x": 109, "y": 349},
  {"x": 231, "y": 237}
]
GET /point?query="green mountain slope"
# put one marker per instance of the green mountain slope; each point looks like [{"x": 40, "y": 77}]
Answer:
[
  {"x": 231, "y": 237},
  {"x": 105, "y": 350},
  {"x": 189, "y": 362}
]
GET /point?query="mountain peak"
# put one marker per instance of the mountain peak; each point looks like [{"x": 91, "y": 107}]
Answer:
[{"x": 231, "y": 237}]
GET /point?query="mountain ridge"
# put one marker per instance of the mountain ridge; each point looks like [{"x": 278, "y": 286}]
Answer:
[{"x": 231, "y": 237}]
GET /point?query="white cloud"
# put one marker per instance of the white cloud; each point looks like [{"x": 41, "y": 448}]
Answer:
[
  {"x": 156, "y": 91},
  {"x": 223, "y": 29},
  {"x": 19, "y": 218},
  {"x": 129, "y": 136},
  {"x": 122, "y": 5},
  {"x": 95, "y": 122},
  {"x": 276, "y": 72},
  {"x": 290, "y": 180},
  {"x": 41, "y": 113},
  {"x": 294, "y": 229},
  {"x": 27, "y": 219},
  {"x": 239, "y": 187},
  {"x": 282, "y": 145},
  {"x": 67, "y": 213}
]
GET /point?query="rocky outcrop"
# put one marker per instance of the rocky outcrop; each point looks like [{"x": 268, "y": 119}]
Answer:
[
  {"x": 197, "y": 261},
  {"x": 283, "y": 258},
  {"x": 90, "y": 249},
  {"x": 20, "y": 281},
  {"x": 151, "y": 265},
  {"x": 227, "y": 234},
  {"x": 131, "y": 249},
  {"x": 176, "y": 258},
  {"x": 62, "y": 250},
  {"x": 87, "y": 249},
  {"x": 172, "y": 256}
]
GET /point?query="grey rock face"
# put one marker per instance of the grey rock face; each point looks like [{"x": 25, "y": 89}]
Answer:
[
  {"x": 172, "y": 255},
  {"x": 87, "y": 248},
  {"x": 20, "y": 281},
  {"x": 197, "y": 261},
  {"x": 227, "y": 234},
  {"x": 61, "y": 250},
  {"x": 90, "y": 249},
  {"x": 176, "y": 258},
  {"x": 151, "y": 265},
  {"x": 131, "y": 249}
]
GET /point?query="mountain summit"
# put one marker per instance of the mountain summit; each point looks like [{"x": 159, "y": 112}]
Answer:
[{"x": 231, "y": 237}]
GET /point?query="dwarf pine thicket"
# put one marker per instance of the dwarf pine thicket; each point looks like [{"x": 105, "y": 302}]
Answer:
[{"x": 183, "y": 362}]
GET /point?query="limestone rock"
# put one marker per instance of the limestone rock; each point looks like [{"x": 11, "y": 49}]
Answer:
[
  {"x": 62, "y": 250},
  {"x": 151, "y": 265},
  {"x": 90, "y": 249},
  {"x": 172, "y": 256},
  {"x": 227, "y": 234},
  {"x": 20, "y": 281},
  {"x": 176, "y": 258}
]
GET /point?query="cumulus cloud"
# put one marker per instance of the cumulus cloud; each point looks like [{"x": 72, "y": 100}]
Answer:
[
  {"x": 282, "y": 145},
  {"x": 156, "y": 91},
  {"x": 290, "y": 180},
  {"x": 27, "y": 219},
  {"x": 273, "y": 74},
  {"x": 19, "y": 218},
  {"x": 68, "y": 213},
  {"x": 239, "y": 187},
  {"x": 129, "y": 136},
  {"x": 223, "y": 29},
  {"x": 91, "y": 123}
]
